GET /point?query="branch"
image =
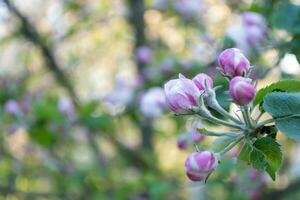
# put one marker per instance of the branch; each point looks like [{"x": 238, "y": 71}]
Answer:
[
  {"x": 137, "y": 9},
  {"x": 31, "y": 33}
]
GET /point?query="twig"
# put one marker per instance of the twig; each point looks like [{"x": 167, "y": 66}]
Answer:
[{"x": 31, "y": 33}]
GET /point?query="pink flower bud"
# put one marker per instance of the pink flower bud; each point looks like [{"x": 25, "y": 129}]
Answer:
[
  {"x": 241, "y": 91},
  {"x": 233, "y": 62},
  {"x": 66, "y": 106},
  {"x": 253, "y": 19},
  {"x": 143, "y": 54},
  {"x": 196, "y": 136},
  {"x": 182, "y": 142},
  {"x": 201, "y": 79},
  {"x": 254, "y": 175},
  {"x": 199, "y": 165},
  {"x": 255, "y": 35},
  {"x": 12, "y": 107},
  {"x": 181, "y": 95},
  {"x": 153, "y": 102}
]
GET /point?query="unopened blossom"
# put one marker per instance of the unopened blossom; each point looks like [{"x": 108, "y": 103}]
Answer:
[
  {"x": 182, "y": 141},
  {"x": 12, "y": 107},
  {"x": 199, "y": 165},
  {"x": 153, "y": 102},
  {"x": 196, "y": 136},
  {"x": 201, "y": 80},
  {"x": 250, "y": 32},
  {"x": 66, "y": 106},
  {"x": 241, "y": 90},
  {"x": 253, "y": 19},
  {"x": 143, "y": 54},
  {"x": 181, "y": 95},
  {"x": 122, "y": 94},
  {"x": 188, "y": 8},
  {"x": 233, "y": 62}
]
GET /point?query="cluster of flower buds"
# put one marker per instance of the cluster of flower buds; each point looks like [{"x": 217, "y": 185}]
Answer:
[
  {"x": 250, "y": 32},
  {"x": 255, "y": 26},
  {"x": 197, "y": 97}
]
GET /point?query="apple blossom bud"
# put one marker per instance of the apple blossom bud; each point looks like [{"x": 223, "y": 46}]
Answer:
[
  {"x": 153, "y": 102},
  {"x": 188, "y": 8},
  {"x": 196, "y": 136},
  {"x": 143, "y": 54},
  {"x": 182, "y": 142},
  {"x": 253, "y": 19},
  {"x": 233, "y": 62},
  {"x": 12, "y": 107},
  {"x": 201, "y": 80},
  {"x": 66, "y": 106},
  {"x": 199, "y": 165},
  {"x": 254, "y": 175},
  {"x": 181, "y": 95},
  {"x": 241, "y": 91},
  {"x": 255, "y": 35}
]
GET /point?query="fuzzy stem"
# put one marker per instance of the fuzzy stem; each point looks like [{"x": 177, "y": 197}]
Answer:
[
  {"x": 247, "y": 117},
  {"x": 222, "y": 111},
  {"x": 265, "y": 122},
  {"x": 218, "y": 121},
  {"x": 231, "y": 145}
]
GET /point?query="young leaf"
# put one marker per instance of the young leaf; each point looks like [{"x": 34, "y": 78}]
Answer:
[
  {"x": 272, "y": 153},
  {"x": 257, "y": 160},
  {"x": 244, "y": 154},
  {"x": 284, "y": 85},
  {"x": 285, "y": 108},
  {"x": 204, "y": 131}
]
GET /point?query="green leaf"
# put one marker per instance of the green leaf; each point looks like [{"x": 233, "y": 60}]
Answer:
[
  {"x": 285, "y": 108},
  {"x": 42, "y": 135},
  {"x": 221, "y": 142},
  {"x": 284, "y": 85},
  {"x": 92, "y": 119},
  {"x": 272, "y": 153},
  {"x": 244, "y": 154},
  {"x": 290, "y": 127},
  {"x": 286, "y": 17},
  {"x": 204, "y": 131},
  {"x": 271, "y": 172},
  {"x": 257, "y": 160}
]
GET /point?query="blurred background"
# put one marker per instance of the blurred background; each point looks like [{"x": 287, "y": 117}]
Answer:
[{"x": 81, "y": 103}]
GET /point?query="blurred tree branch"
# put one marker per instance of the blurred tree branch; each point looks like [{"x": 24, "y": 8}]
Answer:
[
  {"x": 31, "y": 33},
  {"x": 136, "y": 18}
]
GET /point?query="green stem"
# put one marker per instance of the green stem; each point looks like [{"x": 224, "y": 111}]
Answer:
[
  {"x": 259, "y": 116},
  {"x": 223, "y": 112},
  {"x": 218, "y": 121},
  {"x": 247, "y": 117},
  {"x": 265, "y": 122},
  {"x": 212, "y": 133},
  {"x": 231, "y": 145}
]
